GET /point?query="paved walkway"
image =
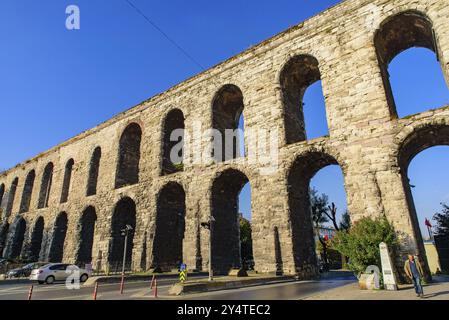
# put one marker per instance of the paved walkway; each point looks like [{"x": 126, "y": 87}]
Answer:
[{"x": 437, "y": 290}]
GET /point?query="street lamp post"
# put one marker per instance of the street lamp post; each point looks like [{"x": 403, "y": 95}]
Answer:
[{"x": 125, "y": 232}]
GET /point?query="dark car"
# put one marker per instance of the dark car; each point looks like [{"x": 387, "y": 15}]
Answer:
[
  {"x": 4, "y": 264},
  {"x": 24, "y": 271},
  {"x": 4, "y": 261}
]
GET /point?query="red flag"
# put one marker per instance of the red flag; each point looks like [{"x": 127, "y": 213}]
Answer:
[
  {"x": 428, "y": 223},
  {"x": 326, "y": 238}
]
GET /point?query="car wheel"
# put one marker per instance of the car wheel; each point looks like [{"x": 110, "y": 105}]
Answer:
[
  {"x": 50, "y": 280},
  {"x": 84, "y": 278}
]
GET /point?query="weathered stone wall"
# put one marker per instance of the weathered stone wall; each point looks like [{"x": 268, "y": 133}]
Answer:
[{"x": 365, "y": 139}]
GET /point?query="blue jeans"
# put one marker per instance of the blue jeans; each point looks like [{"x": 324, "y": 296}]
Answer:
[{"x": 418, "y": 286}]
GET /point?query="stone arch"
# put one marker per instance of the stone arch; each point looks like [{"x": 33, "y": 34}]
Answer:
[
  {"x": 398, "y": 33},
  {"x": 299, "y": 176},
  {"x": 2, "y": 193},
  {"x": 225, "y": 190},
  {"x": 170, "y": 227},
  {"x": 86, "y": 236},
  {"x": 36, "y": 240},
  {"x": 27, "y": 192},
  {"x": 18, "y": 236},
  {"x": 128, "y": 156},
  {"x": 227, "y": 108},
  {"x": 59, "y": 234},
  {"x": 4, "y": 228},
  {"x": 94, "y": 170},
  {"x": 173, "y": 121},
  {"x": 421, "y": 138},
  {"x": 11, "y": 197},
  {"x": 297, "y": 75},
  {"x": 67, "y": 181},
  {"x": 124, "y": 214},
  {"x": 47, "y": 179}
]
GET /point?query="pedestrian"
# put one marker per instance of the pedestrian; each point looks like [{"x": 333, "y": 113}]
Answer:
[{"x": 414, "y": 271}]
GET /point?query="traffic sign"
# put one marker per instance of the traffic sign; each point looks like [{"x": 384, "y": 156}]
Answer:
[{"x": 183, "y": 275}]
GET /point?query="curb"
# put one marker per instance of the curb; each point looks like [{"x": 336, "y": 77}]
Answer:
[
  {"x": 6, "y": 282},
  {"x": 191, "y": 288}
]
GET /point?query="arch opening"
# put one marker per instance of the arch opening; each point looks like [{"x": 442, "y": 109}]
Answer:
[
  {"x": 4, "y": 228},
  {"x": 420, "y": 140},
  {"x": 86, "y": 236},
  {"x": 129, "y": 156},
  {"x": 298, "y": 75},
  {"x": 226, "y": 247},
  {"x": 417, "y": 82},
  {"x": 410, "y": 29},
  {"x": 17, "y": 238},
  {"x": 67, "y": 180},
  {"x": 430, "y": 195},
  {"x": 173, "y": 142},
  {"x": 11, "y": 197},
  {"x": 2, "y": 193},
  {"x": 299, "y": 179},
  {"x": 245, "y": 227},
  {"x": 56, "y": 253},
  {"x": 94, "y": 170},
  {"x": 329, "y": 213},
  {"x": 47, "y": 179},
  {"x": 36, "y": 240},
  {"x": 27, "y": 192},
  {"x": 170, "y": 227},
  {"x": 124, "y": 214},
  {"x": 227, "y": 113}
]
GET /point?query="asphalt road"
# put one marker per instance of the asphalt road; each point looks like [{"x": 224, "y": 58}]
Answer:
[
  {"x": 282, "y": 291},
  {"x": 140, "y": 290}
]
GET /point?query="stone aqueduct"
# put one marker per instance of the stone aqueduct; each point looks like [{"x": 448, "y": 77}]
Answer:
[{"x": 70, "y": 202}]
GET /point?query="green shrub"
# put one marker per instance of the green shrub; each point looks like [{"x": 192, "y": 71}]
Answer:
[{"x": 361, "y": 242}]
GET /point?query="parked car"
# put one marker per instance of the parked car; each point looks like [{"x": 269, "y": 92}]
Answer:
[
  {"x": 24, "y": 271},
  {"x": 57, "y": 272},
  {"x": 4, "y": 261}
]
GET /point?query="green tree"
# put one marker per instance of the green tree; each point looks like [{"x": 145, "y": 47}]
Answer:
[
  {"x": 345, "y": 222},
  {"x": 442, "y": 219},
  {"x": 246, "y": 241},
  {"x": 361, "y": 242}
]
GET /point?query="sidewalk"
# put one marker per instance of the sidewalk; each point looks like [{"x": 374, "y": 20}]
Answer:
[{"x": 437, "y": 290}]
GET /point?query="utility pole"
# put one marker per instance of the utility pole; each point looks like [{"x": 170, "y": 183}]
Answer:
[
  {"x": 125, "y": 232},
  {"x": 210, "y": 226}
]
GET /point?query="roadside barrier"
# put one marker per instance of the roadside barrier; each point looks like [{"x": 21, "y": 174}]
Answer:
[
  {"x": 30, "y": 292},
  {"x": 155, "y": 288},
  {"x": 122, "y": 284},
  {"x": 95, "y": 291},
  {"x": 152, "y": 281}
]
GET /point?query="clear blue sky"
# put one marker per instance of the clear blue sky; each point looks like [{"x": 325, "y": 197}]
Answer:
[{"x": 57, "y": 83}]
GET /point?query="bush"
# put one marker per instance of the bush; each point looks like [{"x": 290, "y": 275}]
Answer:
[{"x": 361, "y": 242}]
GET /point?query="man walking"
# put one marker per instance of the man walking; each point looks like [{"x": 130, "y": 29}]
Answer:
[{"x": 414, "y": 271}]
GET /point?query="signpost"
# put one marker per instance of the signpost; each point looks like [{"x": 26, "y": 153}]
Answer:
[{"x": 387, "y": 268}]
